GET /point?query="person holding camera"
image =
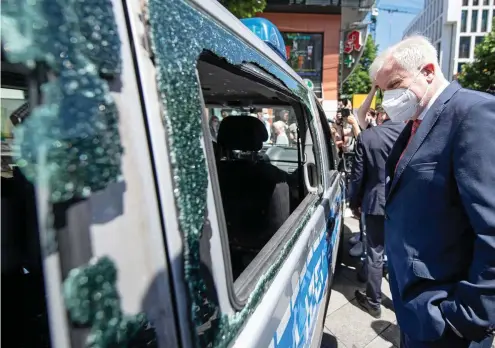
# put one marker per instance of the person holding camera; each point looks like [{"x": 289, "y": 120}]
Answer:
[{"x": 345, "y": 130}]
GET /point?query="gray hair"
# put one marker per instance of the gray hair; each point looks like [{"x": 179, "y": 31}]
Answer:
[
  {"x": 411, "y": 54},
  {"x": 279, "y": 125}
]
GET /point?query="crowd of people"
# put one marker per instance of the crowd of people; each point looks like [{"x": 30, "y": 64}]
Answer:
[
  {"x": 280, "y": 125},
  {"x": 422, "y": 182}
]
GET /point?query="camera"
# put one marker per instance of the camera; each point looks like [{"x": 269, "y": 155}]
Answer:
[{"x": 345, "y": 112}]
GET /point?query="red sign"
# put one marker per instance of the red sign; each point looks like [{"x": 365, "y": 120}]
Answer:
[{"x": 353, "y": 42}]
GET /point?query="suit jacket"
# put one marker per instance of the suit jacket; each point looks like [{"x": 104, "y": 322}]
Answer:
[
  {"x": 440, "y": 219},
  {"x": 367, "y": 184}
]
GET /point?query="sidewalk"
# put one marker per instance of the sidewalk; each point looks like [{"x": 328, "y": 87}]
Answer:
[{"x": 346, "y": 324}]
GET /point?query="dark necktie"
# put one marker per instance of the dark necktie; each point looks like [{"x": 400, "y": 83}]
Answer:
[{"x": 415, "y": 126}]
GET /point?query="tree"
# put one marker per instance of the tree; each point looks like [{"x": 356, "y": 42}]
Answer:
[
  {"x": 359, "y": 82},
  {"x": 480, "y": 74},
  {"x": 244, "y": 8}
]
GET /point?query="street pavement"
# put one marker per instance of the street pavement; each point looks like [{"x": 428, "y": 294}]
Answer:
[{"x": 346, "y": 324}]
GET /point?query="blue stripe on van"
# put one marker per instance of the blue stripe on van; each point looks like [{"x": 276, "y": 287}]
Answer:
[{"x": 301, "y": 324}]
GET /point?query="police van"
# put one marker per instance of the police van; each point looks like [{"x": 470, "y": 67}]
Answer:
[{"x": 170, "y": 181}]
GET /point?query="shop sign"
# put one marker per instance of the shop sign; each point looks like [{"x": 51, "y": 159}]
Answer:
[
  {"x": 353, "y": 42},
  {"x": 353, "y": 48}
]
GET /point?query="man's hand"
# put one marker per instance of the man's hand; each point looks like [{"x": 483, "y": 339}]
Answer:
[{"x": 351, "y": 120}]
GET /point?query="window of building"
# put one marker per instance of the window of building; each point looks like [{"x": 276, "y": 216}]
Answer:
[
  {"x": 484, "y": 21},
  {"x": 474, "y": 21},
  {"x": 478, "y": 40},
  {"x": 486, "y": 2},
  {"x": 464, "y": 46},
  {"x": 305, "y": 56},
  {"x": 261, "y": 180},
  {"x": 465, "y": 2},
  {"x": 476, "y": 2},
  {"x": 464, "y": 21}
]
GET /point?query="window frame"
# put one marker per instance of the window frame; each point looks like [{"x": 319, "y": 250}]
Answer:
[
  {"x": 332, "y": 152},
  {"x": 240, "y": 289}
]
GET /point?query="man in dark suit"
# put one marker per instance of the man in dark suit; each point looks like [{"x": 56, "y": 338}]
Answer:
[
  {"x": 440, "y": 209},
  {"x": 367, "y": 196}
]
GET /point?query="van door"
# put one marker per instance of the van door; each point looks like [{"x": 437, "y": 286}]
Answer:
[
  {"x": 98, "y": 274},
  {"x": 250, "y": 272}
]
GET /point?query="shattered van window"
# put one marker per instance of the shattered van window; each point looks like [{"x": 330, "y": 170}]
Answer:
[
  {"x": 73, "y": 139},
  {"x": 92, "y": 300},
  {"x": 75, "y": 129},
  {"x": 179, "y": 35}
]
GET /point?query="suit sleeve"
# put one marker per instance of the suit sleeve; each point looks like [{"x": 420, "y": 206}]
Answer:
[
  {"x": 471, "y": 308},
  {"x": 358, "y": 174}
]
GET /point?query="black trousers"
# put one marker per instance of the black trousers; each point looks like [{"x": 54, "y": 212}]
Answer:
[{"x": 375, "y": 242}]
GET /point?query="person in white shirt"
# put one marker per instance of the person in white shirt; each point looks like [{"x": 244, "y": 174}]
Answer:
[{"x": 280, "y": 135}]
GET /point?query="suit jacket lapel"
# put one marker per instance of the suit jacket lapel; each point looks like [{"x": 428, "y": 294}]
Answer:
[{"x": 422, "y": 132}]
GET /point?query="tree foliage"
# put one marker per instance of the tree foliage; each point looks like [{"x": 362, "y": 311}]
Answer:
[
  {"x": 480, "y": 74},
  {"x": 359, "y": 82},
  {"x": 244, "y": 8}
]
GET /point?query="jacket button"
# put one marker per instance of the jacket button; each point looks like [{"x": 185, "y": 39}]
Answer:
[{"x": 386, "y": 217}]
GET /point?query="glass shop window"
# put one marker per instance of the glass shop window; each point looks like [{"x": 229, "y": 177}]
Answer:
[
  {"x": 262, "y": 142},
  {"x": 305, "y": 56},
  {"x": 23, "y": 290}
]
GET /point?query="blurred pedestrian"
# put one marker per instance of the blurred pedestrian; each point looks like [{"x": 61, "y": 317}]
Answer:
[
  {"x": 367, "y": 197},
  {"x": 280, "y": 134},
  {"x": 214, "y": 125}
]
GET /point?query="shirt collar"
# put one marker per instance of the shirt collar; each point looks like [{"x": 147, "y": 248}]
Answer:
[{"x": 432, "y": 100}]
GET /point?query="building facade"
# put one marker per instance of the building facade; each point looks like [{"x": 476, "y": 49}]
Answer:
[
  {"x": 454, "y": 27},
  {"x": 312, "y": 32}
]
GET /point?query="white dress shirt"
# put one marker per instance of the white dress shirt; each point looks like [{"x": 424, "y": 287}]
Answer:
[{"x": 432, "y": 100}]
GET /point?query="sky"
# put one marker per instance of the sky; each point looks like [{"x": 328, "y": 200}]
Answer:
[{"x": 390, "y": 26}]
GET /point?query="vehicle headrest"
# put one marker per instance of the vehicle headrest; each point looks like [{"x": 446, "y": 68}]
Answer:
[{"x": 245, "y": 133}]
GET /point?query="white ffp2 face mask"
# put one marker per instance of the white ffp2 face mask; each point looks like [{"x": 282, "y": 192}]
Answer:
[{"x": 401, "y": 104}]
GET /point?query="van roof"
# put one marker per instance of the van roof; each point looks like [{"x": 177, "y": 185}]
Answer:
[{"x": 222, "y": 15}]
